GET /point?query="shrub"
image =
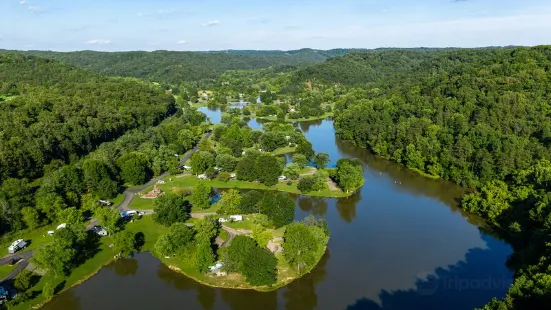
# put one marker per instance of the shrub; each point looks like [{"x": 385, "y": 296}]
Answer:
[{"x": 223, "y": 176}]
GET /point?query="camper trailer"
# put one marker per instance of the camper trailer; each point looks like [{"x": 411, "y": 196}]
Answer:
[{"x": 17, "y": 245}]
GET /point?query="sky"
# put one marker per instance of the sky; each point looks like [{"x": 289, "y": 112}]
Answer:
[{"x": 121, "y": 25}]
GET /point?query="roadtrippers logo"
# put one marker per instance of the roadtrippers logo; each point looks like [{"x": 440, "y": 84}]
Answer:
[
  {"x": 427, "y": 285},
  {"x": 430, "y": 284}
]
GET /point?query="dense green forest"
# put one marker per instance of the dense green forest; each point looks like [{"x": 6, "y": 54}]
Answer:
[
  {"x": 178, "y": 67},
  {"x": 53, "y": 111},
  {"x": 480, "y": 118}
]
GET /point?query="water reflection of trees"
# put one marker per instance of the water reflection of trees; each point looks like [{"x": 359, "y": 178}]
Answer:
[
  {"x": 246, "y": 299},
  {"x": 347, "y": 206},
  {"x": 305, "y": 126},
  {"x": 175, "y": 279},
  {"x": 466, "y": 285},
  {"x": 66, "y": 300},
  {"x": 301, "y": 294},
  {"x": 408, "y": 181},
  {"x": 206, "y": 296},
  {"x": 315, "y": 205},
  {"x": 125, "y": 267}
]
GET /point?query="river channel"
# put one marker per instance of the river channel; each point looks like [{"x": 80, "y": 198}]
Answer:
[{"x": 400, "y": 242}]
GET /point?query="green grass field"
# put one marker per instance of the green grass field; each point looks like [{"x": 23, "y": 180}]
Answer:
[
  {"x": 5, "y": 270},
  {"x": 284, "y": 150},
  {"x": 192, "y": 181},
  {"x": 35, "y": 238},
  {"x": 79, "y": 275}
]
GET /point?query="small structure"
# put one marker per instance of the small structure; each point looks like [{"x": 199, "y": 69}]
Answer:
[
  {"x": 105, "y": 203},
  {"x": 233, "y": 175},
  {"x": 51, "y": 232},
  {"x": 161, "y": 182},
  {"x": 282, "y": 178},
  {"x": 202, "y": 177},
  {"x": 99, "y": 230},
  {"x": 222, "y": 220},
  {"x": 63, "y": 225},
  {"x": 156, "y": 192},
  {"x": 186, "y": 167},
  {"x": 236, "y": 218},
  {"x": 216, "y": 267}
]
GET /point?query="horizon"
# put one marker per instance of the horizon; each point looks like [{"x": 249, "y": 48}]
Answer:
[
  {"x": 273, "y": 50},
  {"x": 215, "y": 25}
]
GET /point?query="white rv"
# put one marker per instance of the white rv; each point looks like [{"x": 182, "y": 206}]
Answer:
[{"x": 17, "y": 245}]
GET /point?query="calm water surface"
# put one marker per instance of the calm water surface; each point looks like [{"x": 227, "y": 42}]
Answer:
[{"x": 398, "y": 243}]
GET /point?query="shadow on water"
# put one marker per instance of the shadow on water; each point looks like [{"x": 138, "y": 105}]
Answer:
[
  {"x": 124, "y": 267},
  {"x": 317, "y": 206},
  {"x": 301, "y": 294},
  {"x": 478, "y": 276}
]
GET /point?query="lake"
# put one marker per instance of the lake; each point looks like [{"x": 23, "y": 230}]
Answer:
[{"x": 399, "y": 242}]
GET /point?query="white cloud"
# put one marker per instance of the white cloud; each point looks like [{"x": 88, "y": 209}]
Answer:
[
  {"x": 34, "y": 8},
  {"x": 181, "y": 42},
  {"x": 22, "y": 2},
  {"x": 211, "y": 23},
  {"x": 98, "y": 41}
]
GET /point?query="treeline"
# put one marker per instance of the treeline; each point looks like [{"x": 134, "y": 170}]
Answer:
[
  {"x": 56, "y": 112},
  {"x": 480, "y": 118},
  {"x": 469, "y": 116},
  {"x": 177, "y": 67},
  {"x": 131, "y": 159}
]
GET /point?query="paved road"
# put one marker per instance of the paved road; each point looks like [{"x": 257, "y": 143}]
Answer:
[
  {"x": 130, "y": 193},
  {"x": 23, "y": 263}
]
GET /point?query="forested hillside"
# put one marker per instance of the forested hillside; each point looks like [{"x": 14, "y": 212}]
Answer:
[
  {"x": 178, "y": 67},
  {"x": 481, "y": 118},
  {"x": 53, "y": 111}
]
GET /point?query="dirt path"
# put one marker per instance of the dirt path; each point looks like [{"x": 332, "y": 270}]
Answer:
[
  {"x": 311, "y": 172},
  {"x": 332, "y": 185}
]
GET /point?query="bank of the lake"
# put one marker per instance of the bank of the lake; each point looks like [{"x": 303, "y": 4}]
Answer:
[
  {"x": 399, "y": 242},
  {"x": 152, "y": 231},
  {"x": 184, "y": 183}
]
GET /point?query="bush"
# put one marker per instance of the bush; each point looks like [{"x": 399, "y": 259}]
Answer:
[
  {"x": 257, "y": 265},
  {"x": 278, "y": 207},
  {"x": 170, "y": 208},
  {"x": 289, "y": 183},
  {"x": 223, "y": 176},
  {"x": 306, "y": 184},
  {"x": 224, "y": 235}
]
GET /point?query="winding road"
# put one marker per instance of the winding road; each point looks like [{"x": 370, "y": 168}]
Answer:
[{"x": 23, "y": 262}]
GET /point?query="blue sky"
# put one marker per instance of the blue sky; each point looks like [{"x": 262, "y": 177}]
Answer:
[{"x": 115, "y": 25}]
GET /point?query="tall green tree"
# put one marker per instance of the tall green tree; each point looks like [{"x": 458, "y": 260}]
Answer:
[{"x": 200, "y": 196}]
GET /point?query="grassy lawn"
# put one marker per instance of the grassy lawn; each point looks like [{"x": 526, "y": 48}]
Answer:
[
  {"x": 5, "y": 270},
  {"x": 292, "y": 120},
  {"x": 213, "y": 208},
  {"x": 150, "y": 229},
  {"x": 284, "y": 150},
  {"x": 117, "y": 200},
  {"x": 192, "y": 181},
  {"x": 141, "y": 203},
  {"x": 246, "y": 224},
  {"x": 79, "y": 275},
  {"x": 35, "y": 238}
]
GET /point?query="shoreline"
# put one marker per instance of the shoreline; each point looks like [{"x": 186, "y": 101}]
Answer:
[{"x": 274, "y": 287}]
